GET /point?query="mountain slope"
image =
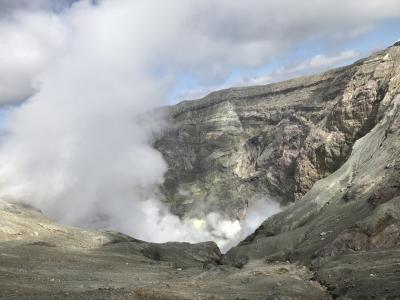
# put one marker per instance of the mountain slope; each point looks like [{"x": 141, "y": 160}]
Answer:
[
  {"x": 43, "y": 260},
  {"x": 237, "y": 145},
  {"x": 347, "y": 227}
]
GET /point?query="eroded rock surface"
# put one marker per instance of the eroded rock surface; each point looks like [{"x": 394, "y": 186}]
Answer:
[
  {"x": 277, "y": 140},
  {"x": 346, "y": 227}
]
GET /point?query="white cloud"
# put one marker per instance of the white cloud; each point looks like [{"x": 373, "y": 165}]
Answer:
[
  {"x": 315, "y": 64},
  {"x": 204, "y": 38},
  {"x": 322, "y": 61},
  {"x": 10, "y": 6},
  {"x": 27, "y": 43}
]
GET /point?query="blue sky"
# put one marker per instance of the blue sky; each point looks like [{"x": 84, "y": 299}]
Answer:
[{"x": 382, "y": 35}]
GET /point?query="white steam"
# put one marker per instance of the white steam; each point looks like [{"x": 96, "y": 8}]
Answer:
[
  {"x": 158, "y": 225},
  {"x": 79, "y": 149}
]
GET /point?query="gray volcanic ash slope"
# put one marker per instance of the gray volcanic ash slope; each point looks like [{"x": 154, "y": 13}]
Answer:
[{"x": 329, "y": 143}]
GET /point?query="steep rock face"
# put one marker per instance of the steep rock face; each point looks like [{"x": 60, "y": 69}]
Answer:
[
  {"x": 277, "y": 140},
  {"x": 347, "y": 226}
]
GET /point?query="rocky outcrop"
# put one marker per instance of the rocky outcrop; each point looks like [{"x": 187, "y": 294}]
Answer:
[
  {"x": 277, "y": 140},
  {"x": 346, "y": 227}
]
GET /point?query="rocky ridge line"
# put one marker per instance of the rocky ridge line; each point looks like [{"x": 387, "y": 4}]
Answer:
[{"x": 237, "y": 145}]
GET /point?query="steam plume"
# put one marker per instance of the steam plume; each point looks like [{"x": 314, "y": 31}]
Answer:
[{"x": 77, "y": 149}]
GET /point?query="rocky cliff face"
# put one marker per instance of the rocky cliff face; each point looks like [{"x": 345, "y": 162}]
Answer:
[
  {"x": 347, "y": 226},
  {"x": 277, "y": 140},
  {"x": 328, "y": 143}
]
